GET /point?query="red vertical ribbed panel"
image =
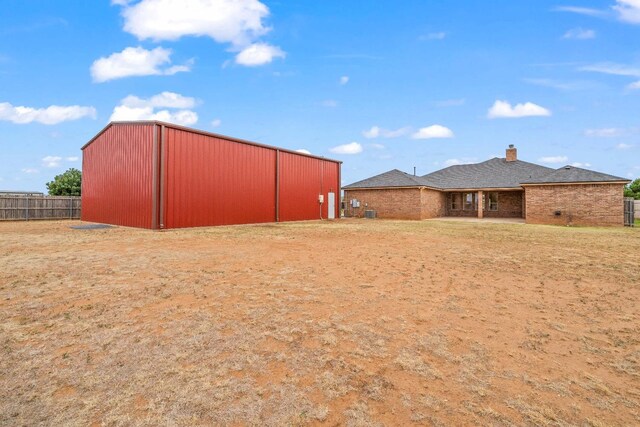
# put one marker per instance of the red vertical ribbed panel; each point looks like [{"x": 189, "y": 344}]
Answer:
[
  {"x": 213, "y": 181},
  {"x": 117, "y": 176},
  {"x": 302, "y": 180}
]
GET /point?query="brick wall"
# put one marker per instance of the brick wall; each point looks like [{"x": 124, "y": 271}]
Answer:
[
  {"x": 583, "y": 204},
  {"x": 432, "y": 203},
  {"x": 509, "y": 205},
  {"x": 398, "y": 203}
]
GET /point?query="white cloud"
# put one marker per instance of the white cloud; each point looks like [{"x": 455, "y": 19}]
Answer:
[
  {"x": 378, "y": 132},
  {"x": 604, "y": 133},
  {"x": 237, "y": 22},
  {"x": 133, "y": 108},
  {"x": 581, "y": 165},
  {"x": 463, "y": 161},
  {"x": 433, "y": 131},
  {"x": 581, "y": 10},
  {"x": 579, "y": 34},
  {"x": 51, "y": 161},
  {"x": 48, "y": 116},
  {"x": 135, "y": 61},
  {"x": 216, "y": 123},
  {"x": 344, "y": 80},
  {"x": 624, "y": 10},
  {"x": 164, "y": 99},
  {"x": 616, "y": 70},
  {"x": 560, "y": 85},
  {"x": 613, "y": 68},
  {"x": 303, "y": 151},
  {"x": 30, "y": 170},
  {"x": 258, "y": 54},
  {"x": 351, "y": 148},
  {"x": 623, "y": 146},
  {"x": 440, "y": 35},
  {"x": 72, "y": 159},
  {"x": 330, "y": 103},
  {"x": 182, "y": 117},
  {"x": 374, "y": 132},
  {"x": 553, "y": 159},
  {"x": 503, "y": 109},
  {"x": 628, "y": 11},
  {"x": 377, "y": 146}
]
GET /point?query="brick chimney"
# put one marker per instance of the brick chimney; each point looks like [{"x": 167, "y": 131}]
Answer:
[{"x": 512, "y": 153}]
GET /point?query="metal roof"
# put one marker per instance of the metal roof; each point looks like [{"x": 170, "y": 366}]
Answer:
[
  {"x": 202, "y": 132},
  {"x": 495, "y": 173}
]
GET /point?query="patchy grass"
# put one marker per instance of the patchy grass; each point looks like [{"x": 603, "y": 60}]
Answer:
[{"x": 350, "y": 322}]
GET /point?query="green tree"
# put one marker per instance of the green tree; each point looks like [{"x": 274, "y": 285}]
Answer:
[
  {"x": 633, "y": 189},
  {"x": 66, "y": 184}
]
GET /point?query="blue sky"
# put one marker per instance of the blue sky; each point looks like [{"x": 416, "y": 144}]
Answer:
[{"x": 378, "y": 85}]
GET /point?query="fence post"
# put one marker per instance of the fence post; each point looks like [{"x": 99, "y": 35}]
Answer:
[
  {"x": 70, "y": 208},
  {"x": 26, "y": 211}
]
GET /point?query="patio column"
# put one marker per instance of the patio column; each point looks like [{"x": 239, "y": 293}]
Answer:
[{"x": 480, "y": 211}]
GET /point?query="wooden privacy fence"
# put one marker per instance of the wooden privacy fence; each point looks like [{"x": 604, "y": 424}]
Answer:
[
  {"x": 22, "y": 208},
  {"x": 636, "y": 209},
  {"x": 628, "y": 212}
]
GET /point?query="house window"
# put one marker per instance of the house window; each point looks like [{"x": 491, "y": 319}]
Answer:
[
  {"x": 456, "y": 201},
  {"x": 469, "y": 201},
  {"x": 493, "y": 201}
]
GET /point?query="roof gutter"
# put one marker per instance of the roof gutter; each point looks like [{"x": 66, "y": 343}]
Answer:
[
  {"x": 405, "y": 187},
  {"x": 536, "y": 184},
  {"x": 453, "y": 190}
]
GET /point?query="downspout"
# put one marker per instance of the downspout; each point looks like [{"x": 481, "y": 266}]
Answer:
[
  {"x": 154, "y": 185},
  {"x": 339, "y": 204},
  {"x": 162, "y": 174},
  {"x": 277, "y": 185}
]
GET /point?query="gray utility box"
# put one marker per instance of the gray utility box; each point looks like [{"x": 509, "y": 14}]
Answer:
[{"x": 371, "y": 214}]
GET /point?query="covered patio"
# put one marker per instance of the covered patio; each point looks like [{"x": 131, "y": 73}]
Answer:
[
  {"x": 485, "y": 203},
  {"x": 479, "y": 220}
]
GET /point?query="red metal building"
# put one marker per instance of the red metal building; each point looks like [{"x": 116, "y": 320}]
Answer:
[{"x": 158, "y": 175}]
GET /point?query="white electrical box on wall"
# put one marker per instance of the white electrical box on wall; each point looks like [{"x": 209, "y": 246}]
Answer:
[
  {"x": 355, "y": 203},
  {"x": 321, "y": 198}
]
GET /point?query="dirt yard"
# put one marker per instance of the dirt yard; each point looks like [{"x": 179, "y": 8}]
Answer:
[{"x": 352, "y": 322}]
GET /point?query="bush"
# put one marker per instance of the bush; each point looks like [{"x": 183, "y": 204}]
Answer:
[
  {"x": 66, "y": 184},
  {"x": 633, "y": 189}
]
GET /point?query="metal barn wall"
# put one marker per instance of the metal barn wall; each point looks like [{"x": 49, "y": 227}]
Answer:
[
  {"x": 302, "y": 180},
  {"x": 117, "y": 176},
  {"x": 215, "y": 181},
  {"x": 158, "y": 175}
]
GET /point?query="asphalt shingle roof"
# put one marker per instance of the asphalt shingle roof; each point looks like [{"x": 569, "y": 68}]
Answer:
[
  {"x": 493, "y": 173},
  {"x": 393, "y": 178},
  {"x": 569, "y": 173}
]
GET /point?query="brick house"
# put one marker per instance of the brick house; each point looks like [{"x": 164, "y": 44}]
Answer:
[{"x": 497, "y": 188}]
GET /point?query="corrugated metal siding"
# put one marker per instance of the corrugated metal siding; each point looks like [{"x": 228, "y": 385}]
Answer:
[
  {"x": 213, "y": 181},
  {"x": 117, "y": 176},
  {"x": 302, "y": 180}
]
